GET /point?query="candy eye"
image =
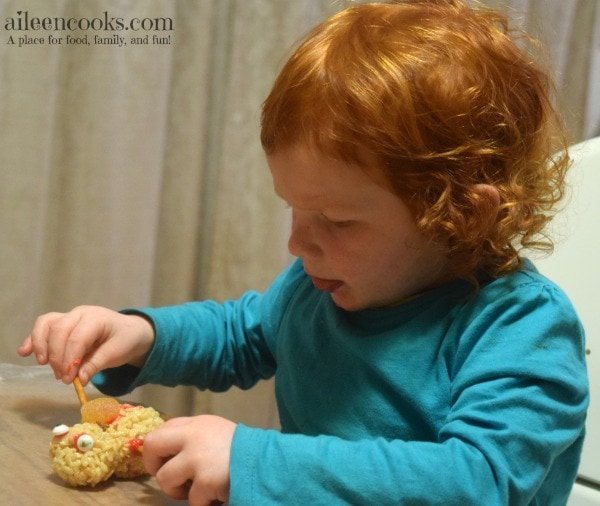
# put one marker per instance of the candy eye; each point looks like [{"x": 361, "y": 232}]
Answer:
[
  {"x": 84, "y": 442},
  {"x": 60, "y": 430}
]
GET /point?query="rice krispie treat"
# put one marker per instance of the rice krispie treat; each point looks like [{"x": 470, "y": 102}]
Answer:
[
  {"x": 83, "y": 454},
  {"x": 133, "y": 423},
  {"x": 87, "y": 453}
]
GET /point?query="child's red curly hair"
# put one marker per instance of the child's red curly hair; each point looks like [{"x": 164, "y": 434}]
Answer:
[{"x": 444, "y": 100}]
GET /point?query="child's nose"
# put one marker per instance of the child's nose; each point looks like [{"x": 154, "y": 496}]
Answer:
[{"x": 302, "y": 241}]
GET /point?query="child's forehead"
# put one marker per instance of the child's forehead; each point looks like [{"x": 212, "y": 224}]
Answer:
[
  {"x": 315, "y": 178},
  {"x": 322, "y": 164}
]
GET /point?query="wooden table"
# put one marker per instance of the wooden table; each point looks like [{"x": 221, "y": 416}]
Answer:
[{"x": 32, "y": 402}]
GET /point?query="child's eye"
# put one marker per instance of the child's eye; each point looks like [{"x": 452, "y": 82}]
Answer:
[
  {"x": 339, "y": 223},
  {"x": 343, "y": 224}
]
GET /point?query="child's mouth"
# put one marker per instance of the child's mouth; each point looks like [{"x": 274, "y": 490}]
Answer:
[{"x": 327, "y": 285}]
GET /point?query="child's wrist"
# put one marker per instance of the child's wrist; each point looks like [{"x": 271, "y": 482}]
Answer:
[{"x": 145, "y": 336}]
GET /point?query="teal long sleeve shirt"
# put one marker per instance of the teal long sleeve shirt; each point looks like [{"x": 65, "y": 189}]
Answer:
[{"x": 456, "y": 397}]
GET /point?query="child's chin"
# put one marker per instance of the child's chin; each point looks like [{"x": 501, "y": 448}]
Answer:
[{"x": 346, "y": 302}]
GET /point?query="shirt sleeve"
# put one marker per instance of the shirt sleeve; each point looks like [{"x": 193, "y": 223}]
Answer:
[
  {"x": 202, "y": 344},
  {"x": 207, "y": 344}
]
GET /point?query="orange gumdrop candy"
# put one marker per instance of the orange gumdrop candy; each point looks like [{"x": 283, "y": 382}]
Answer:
[{"x": 103, "y": 410}]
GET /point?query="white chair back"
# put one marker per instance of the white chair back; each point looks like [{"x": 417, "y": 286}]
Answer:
[{"x": 575, "y": 267}]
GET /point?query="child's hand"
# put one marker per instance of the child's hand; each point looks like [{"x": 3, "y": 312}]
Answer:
[
  {"x": 190, "y": 458},
  {"x": 86, "y": 340}
]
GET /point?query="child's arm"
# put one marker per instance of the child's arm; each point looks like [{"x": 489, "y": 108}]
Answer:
[{"x": 87, "y": 340}]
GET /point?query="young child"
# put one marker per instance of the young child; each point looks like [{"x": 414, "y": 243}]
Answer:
[{"x": 418, "y": 358}]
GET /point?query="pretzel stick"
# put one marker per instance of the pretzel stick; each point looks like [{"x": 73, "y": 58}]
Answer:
[{"x": 79, "y": 389}]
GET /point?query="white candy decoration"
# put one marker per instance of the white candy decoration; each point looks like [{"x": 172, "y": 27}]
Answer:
[
  {"x": 85, "y": 442},
  {"x": 60, "y": 430}
]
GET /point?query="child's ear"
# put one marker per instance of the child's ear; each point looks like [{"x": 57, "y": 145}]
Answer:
[{"x": 488, "y": 204}]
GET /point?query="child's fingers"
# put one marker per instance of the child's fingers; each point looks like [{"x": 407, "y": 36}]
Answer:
[
  {"x": 95, "y": 360},
  {"x": 161, "y": 445},
  {"x": 39, "y": 337},
  {"x": 26, "y": 347},
  {"x": 164, "y": 443},
  {"x": 172, "y": 478},
  {"x": 164, "y": 460},
  {"x": 190, "y": 457},
  {"x": 84, "y": 337},
  {"x": 58, "y": 334}
]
